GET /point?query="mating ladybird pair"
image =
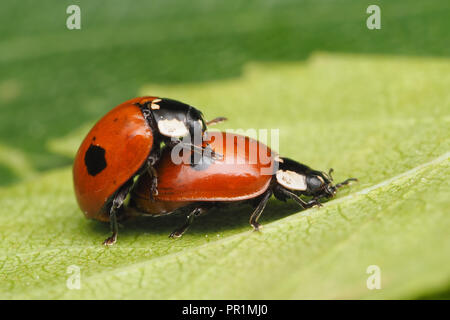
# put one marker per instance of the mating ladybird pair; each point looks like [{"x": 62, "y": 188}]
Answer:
[{"x": 138, "y": 139}]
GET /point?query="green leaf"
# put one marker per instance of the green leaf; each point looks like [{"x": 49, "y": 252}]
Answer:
[{"x": 384, "y": 120}]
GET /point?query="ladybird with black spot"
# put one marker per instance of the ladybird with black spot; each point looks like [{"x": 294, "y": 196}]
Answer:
[
  {"x": 125, "y": 143},
  {"x": 249, "y": 172}
]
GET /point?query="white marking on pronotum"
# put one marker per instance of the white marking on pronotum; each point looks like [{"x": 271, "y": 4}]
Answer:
[
  {"x": 172, "y": 128},
  {"x": 154, "y": 105},
  {"x": 291, "y": 180}
]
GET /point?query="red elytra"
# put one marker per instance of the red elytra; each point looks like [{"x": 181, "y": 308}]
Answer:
[
  {"x": 112, "y": 153},
  {"x": 244, "y": 172}
]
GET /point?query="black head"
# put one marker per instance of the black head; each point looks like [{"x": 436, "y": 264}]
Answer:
[{"x": 301, "y": 179}]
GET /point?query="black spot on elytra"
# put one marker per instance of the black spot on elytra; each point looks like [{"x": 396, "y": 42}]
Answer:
[
  {"x": 95, "y": 160},
  {"x": 116, "y": 119}
]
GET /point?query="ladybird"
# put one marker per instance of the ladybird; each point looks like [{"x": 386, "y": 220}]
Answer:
[
  {"x": 234, "y": 178},
  {"x": 124, "y": 143}
]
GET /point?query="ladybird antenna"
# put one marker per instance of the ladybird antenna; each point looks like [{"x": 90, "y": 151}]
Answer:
[
  {"x": 346, "y": 182},
  {"x": 330, "y": 172},
  {"x": 216, "y": 121}
]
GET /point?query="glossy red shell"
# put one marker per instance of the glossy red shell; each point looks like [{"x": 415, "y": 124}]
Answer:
[
  {"x": 244, "y": 173},
  {"x": 126, "y": 138}
]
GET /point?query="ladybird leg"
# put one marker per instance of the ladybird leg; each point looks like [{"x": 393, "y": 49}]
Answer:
[
  {"x": 208, "y": 152},
  {"x": 154, "y": 157},
  {"x": 151, "y": 161},
  {"x": 187, "y": 145},
  {"x": 199, "y": 150},
  {"x": 114, "y": 226},
  {"x": 259, "y": 209},
  {"x": 190, "y": 218},
  {"x": 300, "y": 201},
  {"x": 116, "y": 205},
  {"x": 154, "y": 183}
]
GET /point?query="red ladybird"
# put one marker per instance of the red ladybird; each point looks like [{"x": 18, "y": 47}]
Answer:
[
  {"x": 249, "y": 171},
  {"x": 124, "y": 143}
]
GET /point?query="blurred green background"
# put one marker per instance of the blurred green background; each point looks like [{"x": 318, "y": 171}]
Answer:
[
  {"x": 53, "y": 81},
  {"x": 372, "y": 104}
]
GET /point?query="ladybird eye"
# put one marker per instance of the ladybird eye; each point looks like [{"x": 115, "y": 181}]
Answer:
[{"x": 314, "y": 182}]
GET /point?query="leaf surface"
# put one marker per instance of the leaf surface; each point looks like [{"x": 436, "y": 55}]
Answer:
[{"x": 382, "y": 119}]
